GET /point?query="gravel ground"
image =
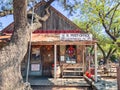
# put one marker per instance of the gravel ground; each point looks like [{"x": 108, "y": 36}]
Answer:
[{"x": 58, "y": 88}]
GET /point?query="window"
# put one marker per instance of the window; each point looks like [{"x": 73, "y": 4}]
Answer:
[{"x": 70, "y": 54}]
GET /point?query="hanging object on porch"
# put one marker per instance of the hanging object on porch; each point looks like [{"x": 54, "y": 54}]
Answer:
[
  {"x": 71, "y": 51},
  {"x": 49, "y": 47},
  {"x": 70, "y": 54}
]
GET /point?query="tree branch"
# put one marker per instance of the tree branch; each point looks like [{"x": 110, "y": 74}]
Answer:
[
  {"x": 101, "y": 49},
  {"x": 45, "y": 17},
  {"x": 103, "y": 23},
  {"x": 111, "y": 19},
  {"x": 111, "y": 51},
  {"x": 6, "y": 12},
  {"x": 107, "y": 27},
  {"x": 48, "y": 3},
  {"x": 111, "y": 10},
  {"x": 36, "y": 22},
  {"x": 111, "y": 36}
]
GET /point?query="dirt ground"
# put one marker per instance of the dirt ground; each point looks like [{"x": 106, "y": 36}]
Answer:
[{"x": 58, "y": 88}]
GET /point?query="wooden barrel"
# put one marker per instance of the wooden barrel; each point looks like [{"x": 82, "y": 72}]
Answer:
[{"x": 58, "y": 71}]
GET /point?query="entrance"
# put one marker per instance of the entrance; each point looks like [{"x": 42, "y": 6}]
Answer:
[
  {"x": 42, "y": 61},
  {"x": 36, "y": 61},
  {"x": 47, "y": 53}
]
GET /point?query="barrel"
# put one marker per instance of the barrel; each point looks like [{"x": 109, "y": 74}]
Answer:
[{"x": 58, "y": 71}]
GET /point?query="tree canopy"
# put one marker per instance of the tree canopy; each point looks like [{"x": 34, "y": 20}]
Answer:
[{"x": 101, "y": 18}]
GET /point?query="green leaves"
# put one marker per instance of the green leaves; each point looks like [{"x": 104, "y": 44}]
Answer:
[{"x": 102, "y": 19}]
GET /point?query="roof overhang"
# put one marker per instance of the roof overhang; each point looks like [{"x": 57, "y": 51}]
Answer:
[{"x": 54, "y": 39}]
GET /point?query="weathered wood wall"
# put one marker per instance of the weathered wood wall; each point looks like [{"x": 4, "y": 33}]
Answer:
[
  {"x": 56, "y": 21},
  {"x": 80, "y": 53}
]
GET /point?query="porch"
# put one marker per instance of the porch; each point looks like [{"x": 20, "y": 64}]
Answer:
[
  {"x": 51, "y": 56},
  {"x": 43, "y": 81}
]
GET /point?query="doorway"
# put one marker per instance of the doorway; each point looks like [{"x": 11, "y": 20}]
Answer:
[{"x": 47, "y": 53}]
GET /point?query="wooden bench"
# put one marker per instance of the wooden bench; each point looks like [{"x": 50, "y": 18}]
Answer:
[{"x": 72, "y": 70}]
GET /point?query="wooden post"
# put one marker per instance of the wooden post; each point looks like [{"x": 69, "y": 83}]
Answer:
[
  {"x": 118, "y": 77},
  {"x": 85, "y": 68},
  {"x": 29, "y": 51},
  {"x": 96, "y": 65},
  {"x": 55, "y": 61},
  {"x": 83, "y": 61},
  {"x": 28, "y": 62},
  {"x": 89, "y": 62}
]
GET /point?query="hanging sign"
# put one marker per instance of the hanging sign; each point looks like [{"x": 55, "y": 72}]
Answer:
[{"x": 75, "y": 36}]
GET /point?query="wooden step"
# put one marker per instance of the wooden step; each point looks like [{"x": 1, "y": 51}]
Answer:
[
  {"x": 72, "y": 71},
  {"x": 73, "y": 67},
  {"x": 71, "y": 76}
]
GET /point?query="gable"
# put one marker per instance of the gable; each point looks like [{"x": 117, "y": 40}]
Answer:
[{"x": 56, "y": 21}]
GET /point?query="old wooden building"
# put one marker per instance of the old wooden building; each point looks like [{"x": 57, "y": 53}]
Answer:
[{"x": 58, "y": 49}]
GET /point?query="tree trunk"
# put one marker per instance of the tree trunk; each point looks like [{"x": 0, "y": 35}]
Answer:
[
  {"x": 12, "y": 55},
  {"x": 105, "y": 60}
]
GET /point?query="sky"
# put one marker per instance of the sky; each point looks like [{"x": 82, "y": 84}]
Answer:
[{"x": 6, "y": 20}]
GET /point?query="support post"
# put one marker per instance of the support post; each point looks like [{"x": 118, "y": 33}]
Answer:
[
  {"x": 96, "y": 64},
  {"x": 29, "y": 48},
  {"x": 55, "y": 60},
  {"x": 83, "y": 60},
  {"x": 89, "y": 61},
  {"x": 29, "y": 52}
]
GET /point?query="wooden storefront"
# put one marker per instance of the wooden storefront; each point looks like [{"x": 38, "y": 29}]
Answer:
[
  {"x": 58, "y": 45},
  {"x": 51, "y": 53}
]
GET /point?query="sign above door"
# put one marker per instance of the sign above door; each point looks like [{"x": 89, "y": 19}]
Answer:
[{"x": 75, "y": 36}]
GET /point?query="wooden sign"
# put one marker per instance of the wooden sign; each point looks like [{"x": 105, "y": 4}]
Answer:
[
  {"x": 75, "y": 36},
  {"x": 35, "y": 67}
]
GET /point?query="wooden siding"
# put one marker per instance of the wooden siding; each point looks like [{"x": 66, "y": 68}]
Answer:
[
  {"x": 56, "y": 21},
  {"x": 80, "y": 53}
]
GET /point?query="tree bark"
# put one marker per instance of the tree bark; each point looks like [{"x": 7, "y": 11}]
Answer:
[{"x": 12, "y": 55}]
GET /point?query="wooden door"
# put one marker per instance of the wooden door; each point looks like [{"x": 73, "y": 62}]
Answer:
[{"x": 47, "y": 59}]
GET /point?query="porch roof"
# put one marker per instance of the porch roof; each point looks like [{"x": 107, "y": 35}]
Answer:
[
  {"x": 54, "y": 38},
  {"x": 51, "y": 39}
]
